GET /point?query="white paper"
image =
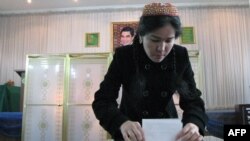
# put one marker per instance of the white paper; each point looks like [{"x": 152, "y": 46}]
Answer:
[{"x": 161, "y": 129}]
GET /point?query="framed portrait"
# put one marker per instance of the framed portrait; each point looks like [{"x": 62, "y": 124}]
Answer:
[
  {"x": 123, "y": 33},
  {"x": 92, "y": 40},
  {"x": 187, "y": 36}
]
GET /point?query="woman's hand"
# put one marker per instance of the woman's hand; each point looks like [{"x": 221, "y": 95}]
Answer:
[
  {"x": 132, "y": 131},
  {"x": 190, "y": 132}
]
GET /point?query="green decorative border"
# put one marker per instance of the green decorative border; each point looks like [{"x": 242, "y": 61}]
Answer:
[
  {"x": 92, "y": 39},
  {"x": 187, "y": 36}
]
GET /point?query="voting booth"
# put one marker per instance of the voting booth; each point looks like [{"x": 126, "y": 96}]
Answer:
[{"x": 59, "y": 90}]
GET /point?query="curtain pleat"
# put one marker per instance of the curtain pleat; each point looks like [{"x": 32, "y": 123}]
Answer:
[{"x": 222, "y": 39}]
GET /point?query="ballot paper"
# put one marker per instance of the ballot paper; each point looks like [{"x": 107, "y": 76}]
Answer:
[{"x": 161, "y": 129}]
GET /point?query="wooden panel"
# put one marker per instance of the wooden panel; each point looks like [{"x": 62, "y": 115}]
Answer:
[
  {"x": 43, "y": 123},
  {"x": 82, "y": 125},
  {"x": 59, "y": 90},
  {"x": 85, "y": 77}
]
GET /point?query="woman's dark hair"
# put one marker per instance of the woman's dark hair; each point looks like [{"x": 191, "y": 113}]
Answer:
[
  {"x": 146, "y": 25},
  {"x": 149, "y": 24}
]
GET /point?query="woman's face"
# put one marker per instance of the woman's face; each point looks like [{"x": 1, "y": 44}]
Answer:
[{"x": 158, "y": 44}]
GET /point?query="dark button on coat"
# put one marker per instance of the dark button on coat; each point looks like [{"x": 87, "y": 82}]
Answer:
[{"x": 137, "y": 74}]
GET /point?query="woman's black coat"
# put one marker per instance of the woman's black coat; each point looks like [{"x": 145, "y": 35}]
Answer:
[{"x": 147, "y": 90}]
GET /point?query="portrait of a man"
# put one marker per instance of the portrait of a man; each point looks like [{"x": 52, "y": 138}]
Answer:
[
  {"x": 123, "y": 33},
  {"x": 127, "y": 35}
]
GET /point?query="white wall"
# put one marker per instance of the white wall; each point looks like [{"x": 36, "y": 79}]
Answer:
[{"x": 222, "y": 38}]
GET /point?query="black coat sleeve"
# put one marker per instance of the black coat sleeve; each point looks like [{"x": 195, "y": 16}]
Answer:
[
  {"x": 190, "y": 97},
  {"x": 105, "y": 105}
]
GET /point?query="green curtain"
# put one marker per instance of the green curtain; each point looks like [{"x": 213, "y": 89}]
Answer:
[{"x": 9, "y": 98}]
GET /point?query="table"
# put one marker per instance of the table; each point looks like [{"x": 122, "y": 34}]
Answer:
[
  {"x": 9, "y": 98},
  {"x": 217, "y": 120},
  {"x": 11, "y": 124}
]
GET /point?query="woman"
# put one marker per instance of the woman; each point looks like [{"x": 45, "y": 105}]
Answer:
[{"x": 150, "y": 71}]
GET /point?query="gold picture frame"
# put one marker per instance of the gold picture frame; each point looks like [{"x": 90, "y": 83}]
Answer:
[
  {"x": 116, "y": 28},
  {"x": 188, "y": 35},
  {"x": 92, "y": 39}
]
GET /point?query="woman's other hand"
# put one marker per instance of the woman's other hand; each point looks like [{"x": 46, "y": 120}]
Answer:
[
  {"x": 190, "y": 132},
  {"x": 132, "y": 131}
]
